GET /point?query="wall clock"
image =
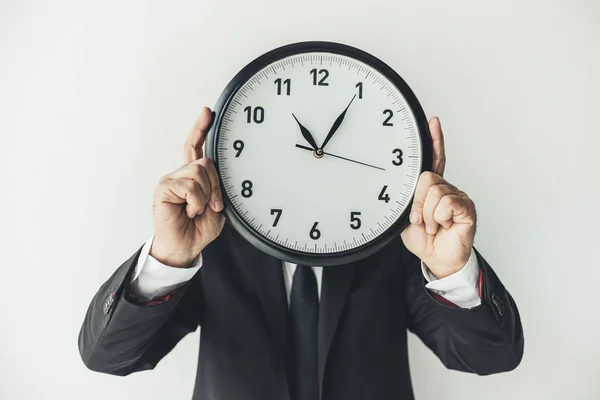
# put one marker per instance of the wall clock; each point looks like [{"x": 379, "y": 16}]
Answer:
[{"x": 318, "y": 147}]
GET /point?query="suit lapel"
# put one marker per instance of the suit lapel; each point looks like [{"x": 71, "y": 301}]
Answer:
[
  {"x": 334, "y": 293},
  {"x": 271, "y": 289}
]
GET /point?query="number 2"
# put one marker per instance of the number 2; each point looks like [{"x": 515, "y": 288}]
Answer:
[{"x": 390, "y": 114}]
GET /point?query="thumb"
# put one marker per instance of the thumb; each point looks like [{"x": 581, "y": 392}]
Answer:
[
  {"x": 415, "y": 239},
  {"x": 210, "y": 224}
]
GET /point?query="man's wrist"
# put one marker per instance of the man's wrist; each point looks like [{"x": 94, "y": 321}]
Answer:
[
  {"x": 461, "y": 288},
  {"x": 174, "y": 259},
  {"x": 441, "y": 272},
  {"x": 152, "y": 280}
]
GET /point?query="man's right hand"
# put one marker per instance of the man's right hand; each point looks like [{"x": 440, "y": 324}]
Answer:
[{"x": 187, "y": 204}]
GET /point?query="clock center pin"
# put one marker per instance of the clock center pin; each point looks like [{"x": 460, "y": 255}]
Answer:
[{"x": 318, "y": 153}]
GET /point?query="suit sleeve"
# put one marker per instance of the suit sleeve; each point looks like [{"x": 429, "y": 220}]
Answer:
[
  {"x": 484, "y": 340},
  {"x": 120, "y": 336}
]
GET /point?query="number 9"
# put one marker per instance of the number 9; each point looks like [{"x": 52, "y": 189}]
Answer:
[{"x": 239, "y": 146}]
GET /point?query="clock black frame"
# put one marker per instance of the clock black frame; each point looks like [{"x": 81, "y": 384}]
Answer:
[{"x": 249, "y": 233}]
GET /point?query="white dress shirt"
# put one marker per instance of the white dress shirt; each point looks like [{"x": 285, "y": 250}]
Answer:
[{"x": 152, "y": 279}]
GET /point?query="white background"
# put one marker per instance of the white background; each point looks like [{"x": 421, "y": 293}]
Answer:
[{"x": 96, "y": 99}]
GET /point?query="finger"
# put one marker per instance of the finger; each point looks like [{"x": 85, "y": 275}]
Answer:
[
  {"x": 211, "y": 222},
  {"x": 426, "y": 180},
  {"x": 196, "y": 172},
  {"x": 434, "y": 196},
  {"x": 180, "y": 191},
  {"x": 454, "y": 208},
  {"x": 439, "y": 150},
  {"x": 192, "y": 149},
  {"x": 216, "y": 197}
]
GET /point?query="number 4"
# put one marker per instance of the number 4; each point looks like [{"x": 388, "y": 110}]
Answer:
[{"x": 383, "y": 195}]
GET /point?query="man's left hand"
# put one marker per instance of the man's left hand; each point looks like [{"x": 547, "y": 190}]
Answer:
[{"x": 443, "y": 218}]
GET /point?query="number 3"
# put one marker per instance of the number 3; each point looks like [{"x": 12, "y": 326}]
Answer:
[{"x": 399, "y": 155}]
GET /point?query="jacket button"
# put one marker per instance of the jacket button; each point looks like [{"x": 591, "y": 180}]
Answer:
[{"x": 109, "y": 302}]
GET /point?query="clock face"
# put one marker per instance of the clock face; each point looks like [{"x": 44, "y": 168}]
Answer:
[{"x": 318, "y": 154}]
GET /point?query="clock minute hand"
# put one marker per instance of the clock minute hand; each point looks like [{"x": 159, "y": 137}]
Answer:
[
  {"x": 306, "y": 134},
  {"x": 340, "y": 157},
  {"x": 337, "y": 124}
]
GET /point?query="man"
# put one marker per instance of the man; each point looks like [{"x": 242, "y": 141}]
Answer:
[{"x": 255, "y": 311}]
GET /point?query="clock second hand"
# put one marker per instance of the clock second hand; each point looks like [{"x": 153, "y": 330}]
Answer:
[{"x": 343, "y": 158}]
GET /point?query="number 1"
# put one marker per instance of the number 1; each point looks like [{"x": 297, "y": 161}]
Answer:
[{"x": 359, "y": 85}]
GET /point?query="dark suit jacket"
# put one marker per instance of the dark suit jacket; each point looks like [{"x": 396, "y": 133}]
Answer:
[{"x": 238, "y": 298}]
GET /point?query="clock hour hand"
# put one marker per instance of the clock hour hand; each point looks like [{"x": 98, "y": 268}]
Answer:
[
  {"x": 340, "y": 157},
  {"x": 306, "y": 134},
  {"x": 337, "y": 124}
]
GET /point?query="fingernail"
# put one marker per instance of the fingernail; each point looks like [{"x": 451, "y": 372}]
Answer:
[
  {"x": 218, "y": 205},
  {"x": 429, "y": 230},
  {"x": 414, "y": 218}
]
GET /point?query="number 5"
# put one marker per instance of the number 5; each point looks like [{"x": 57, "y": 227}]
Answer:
[{"x": 354, "y": 219}]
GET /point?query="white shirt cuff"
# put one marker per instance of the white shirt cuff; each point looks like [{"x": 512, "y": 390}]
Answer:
[
  {"x": 460, "y": 288},
  {"x": 152, "y": 279}
]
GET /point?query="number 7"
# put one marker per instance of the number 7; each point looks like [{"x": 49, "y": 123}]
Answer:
[{"x": 277, "y": 211}]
